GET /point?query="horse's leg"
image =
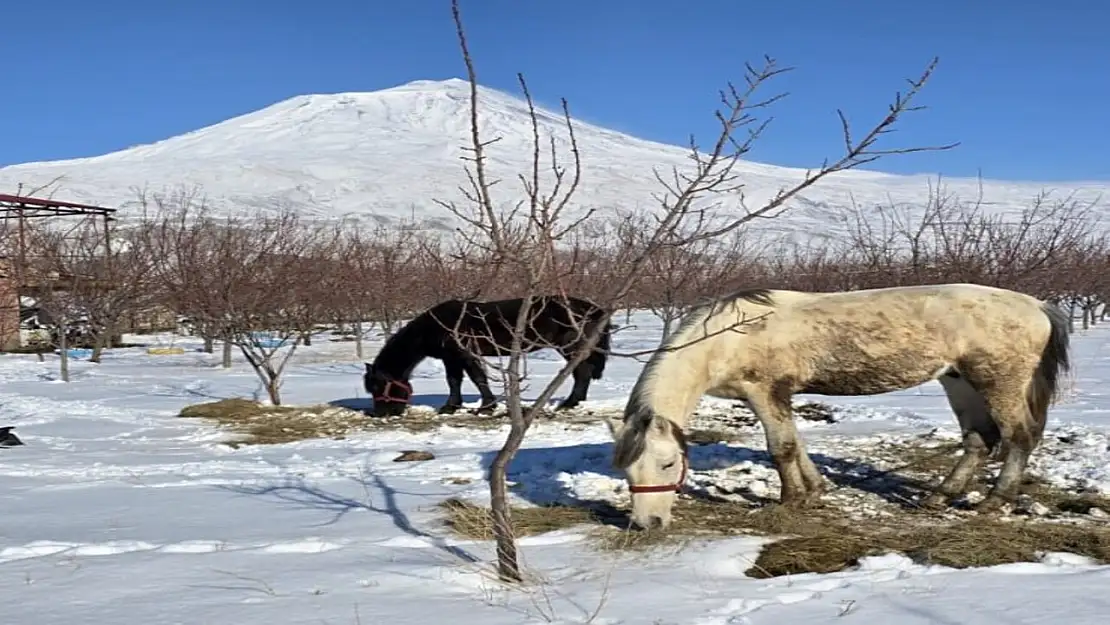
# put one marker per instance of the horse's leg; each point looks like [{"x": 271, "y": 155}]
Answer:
[
  {"x": 1019, "y": 437},
  {"x": 811, "y": 475},
  {"x": 454, "y": 370},
  {"x": 777, "y": 418},
  {"x": 477, "y": 374},
  {"x": 980, "y": 437},
  {"x": 582, "y": 375}
]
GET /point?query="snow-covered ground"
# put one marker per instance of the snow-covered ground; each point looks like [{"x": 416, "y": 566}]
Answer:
[{"x": 118, "y": 512}]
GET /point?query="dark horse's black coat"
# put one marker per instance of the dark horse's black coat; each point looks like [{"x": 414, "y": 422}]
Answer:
[{"x": 455, "y": 330}]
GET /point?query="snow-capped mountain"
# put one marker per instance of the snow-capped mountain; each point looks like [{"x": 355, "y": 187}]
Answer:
[{"x": 394, "y": 152}]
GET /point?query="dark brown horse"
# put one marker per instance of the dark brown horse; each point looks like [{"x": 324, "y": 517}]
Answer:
[{"x": 460, "y": 332}]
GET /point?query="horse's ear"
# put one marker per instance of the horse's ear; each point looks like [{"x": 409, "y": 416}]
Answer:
[
  {"x": 369, "y": 367},
  {"x": 660, "y": 426},
  {"x": 616, "y": 426}
]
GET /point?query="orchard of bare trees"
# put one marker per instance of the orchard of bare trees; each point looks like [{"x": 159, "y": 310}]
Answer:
[
  {"x": 277, "y": 275},
  {"x": 280, "y": 277}
]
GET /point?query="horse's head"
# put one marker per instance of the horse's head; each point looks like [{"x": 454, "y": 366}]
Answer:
[
  {"x": 652, "y": 451},
  {"x": 391, "y": 395}
]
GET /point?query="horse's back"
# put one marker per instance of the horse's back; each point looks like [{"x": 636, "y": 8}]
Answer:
[
  {"x": 960, "y": 312},
  {"x": 930, "y": 304},
  {"x": 875, "y": 340}
]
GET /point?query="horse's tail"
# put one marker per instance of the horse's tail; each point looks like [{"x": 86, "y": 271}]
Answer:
[
  {"x": 600, "y": 353},
  {"x": 1055, "y": 361}
]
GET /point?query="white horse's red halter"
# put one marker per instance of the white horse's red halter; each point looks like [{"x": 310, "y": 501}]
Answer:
[{"x": 664, "y": 488}]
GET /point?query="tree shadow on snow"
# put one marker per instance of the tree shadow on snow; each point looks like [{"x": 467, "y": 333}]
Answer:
[
  {"x": 295, "y": 491},
  {"x": 558, "y": 475}
]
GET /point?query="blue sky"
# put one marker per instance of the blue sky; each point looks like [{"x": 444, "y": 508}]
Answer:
[{"x": 1023, "y": 85}]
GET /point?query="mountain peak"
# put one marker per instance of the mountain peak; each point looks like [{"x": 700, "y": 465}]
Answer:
[{"x": 393, "y": 152}]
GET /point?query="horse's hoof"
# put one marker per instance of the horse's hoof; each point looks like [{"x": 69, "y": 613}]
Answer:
[
  {"x": 485, "y": 410},
  {"x": 448, "y": 409},
  {"x": 566, "y": 406},
  {"x": 815, "y": 497},
  {"x": 816, "y": 489}
]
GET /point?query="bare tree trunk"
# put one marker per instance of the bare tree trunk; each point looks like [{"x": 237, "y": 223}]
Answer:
[
  {"x": 209, "y": 343},
  {"x": 668, "y": 322},
  {"x": 63, "y": 348},
  {"x": 273, "y": 389},
  {"x": 103, "y": 341},
  {"x": 265, "y": 369},
  {"x": 358, "y": 340},
  {"x": 508, "y": 564},
  {"x": 98, "y": 347},
  {"x": 226, "y": 355}
]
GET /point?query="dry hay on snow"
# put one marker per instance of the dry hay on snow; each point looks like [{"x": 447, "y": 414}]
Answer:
[
  {"x": 870, "y": 508},
  {"x": 819, "y": 546},
  {"x": 260, "y": 424},
  {"x": 257, "y": 424},
  {"x": 265, "y": 425},
  {"x": 418, "y": 419},
  {"x": 474, "y": 522}
]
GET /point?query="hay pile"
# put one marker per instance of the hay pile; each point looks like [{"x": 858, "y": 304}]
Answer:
[
  {"x": 974, "y": 542},
  {"x": 418, "y": 420},
  {"x": 474, "y": 522},
  {"x": 273, "y": 425},
  {"x": 820, "y": 540}
]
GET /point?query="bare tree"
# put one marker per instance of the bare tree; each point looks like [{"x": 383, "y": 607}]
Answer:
[
  {"x": 679, "y": 277},
  {"x": 395, "y": 254},
  {"x": 313, "y": 298},
  {"x": 65, "y": 265},
  {"x": 522, "y": 239},
  {"x": 247, "y": 280}
]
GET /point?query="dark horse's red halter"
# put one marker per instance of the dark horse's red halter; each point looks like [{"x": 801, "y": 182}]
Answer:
[
  {"x": 385, "y": 397},
  {"x": 664, "y": 488}
]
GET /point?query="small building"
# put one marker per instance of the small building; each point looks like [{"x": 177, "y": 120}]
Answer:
[{"x": 15, "y": 214}]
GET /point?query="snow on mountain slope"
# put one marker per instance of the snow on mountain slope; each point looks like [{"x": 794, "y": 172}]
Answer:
[{"x": 392, "y": 152}]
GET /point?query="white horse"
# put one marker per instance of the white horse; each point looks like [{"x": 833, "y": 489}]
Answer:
[{"x": 997, "y": 353}]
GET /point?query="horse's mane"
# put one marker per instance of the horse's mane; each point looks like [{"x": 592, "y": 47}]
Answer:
[
  {"x": 700, "y": 312},
  {"x": 638, "y": 412},
  {"x": 397, "y": 344},
  {"x": 637, "y": 402}
]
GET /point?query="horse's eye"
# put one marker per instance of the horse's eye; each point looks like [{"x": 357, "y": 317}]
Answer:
[{"x": 669, "y": 464}]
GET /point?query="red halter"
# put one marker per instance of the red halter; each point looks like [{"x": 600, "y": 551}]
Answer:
[
  {"x": 385, "y": 397},
  {"x": 664, "y": 488}
]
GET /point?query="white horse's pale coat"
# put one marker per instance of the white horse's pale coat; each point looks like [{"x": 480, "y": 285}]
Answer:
[{"x": 998, "y": 354}]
